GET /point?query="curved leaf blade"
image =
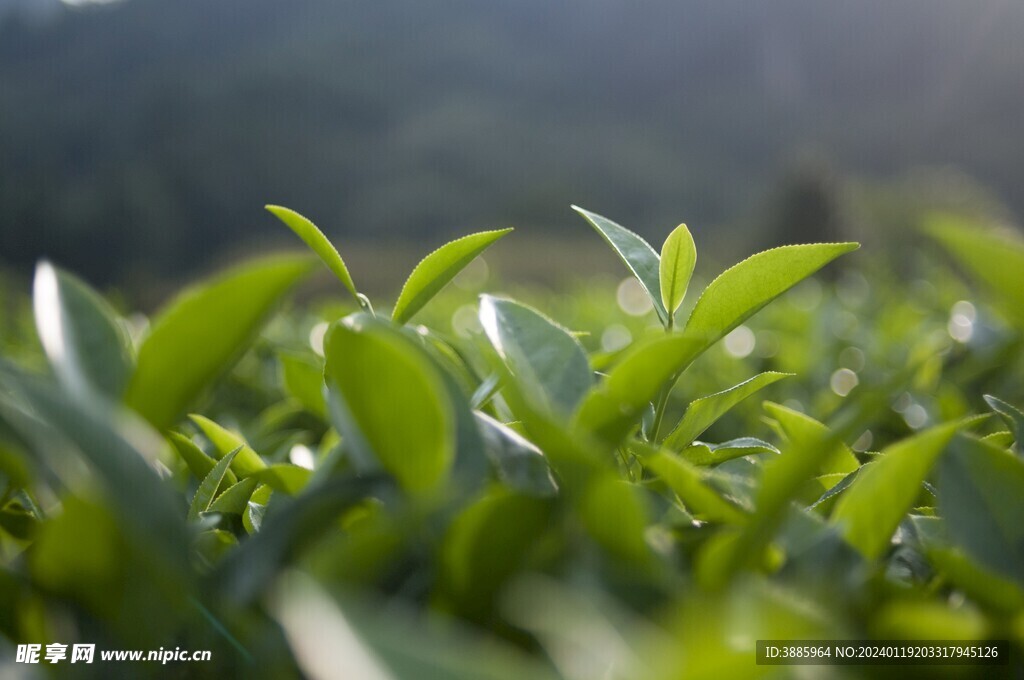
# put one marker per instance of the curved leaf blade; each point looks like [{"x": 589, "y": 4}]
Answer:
[
  {"x": 390, "y": 402},
  {"x": 1013, "y": 417},
  {"x": 247, "y": 461},
  {"x": 612, "y": 408},
  {"x": 437, "y": 269},
  {"x": 199, "y": 464},
  {"x": 981, "y": 503},
  {"x": 636, "y": 253},
  {"x": 89, "y": 352},
  {"x": 317, "y": 242},
  {"x": 802, "y": 431},
  {"x": 700, "y": 453},
  {"x": 520, "y": 465},
  {"x": 545, "y": 359},
  {"x": 742, "y": 290},
  {"x": 202, "y": 332},
  {"x": 871, "y": 509},
  {"x": 997, "y": 261},
  {"x": 678, "y": 258},
  {"x": 704, "y": 412},
  {"x": 208, "y": 488}
]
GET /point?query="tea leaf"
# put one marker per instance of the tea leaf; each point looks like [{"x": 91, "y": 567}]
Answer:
[
  {"x": 980, "y": 498},
  {"x": 801, "y": 430},
  {"x": 208, "y": 488},
  {"x": 704, "y": 412},
  {"x": 885, "y": 489},
  {"x": 1014, "y": 419},
  {"x": 996, "y": 260},
  {"x": 391, "y": 402},
  {"x": 317, "y": 242},
  {"x": 89, "y": 351},
  {"x": 521, "y": 466},
  {"x": 742, "y": 290},
  {"x": 235, "y": 499},
  {"x": 303, "y": 378},
  {"x": 437, "y": 269},
  {"x": 678, "y": 257},
  {"x": 289, "y": 479},
  {"x": 636, "y": 253},
  {"x": 613, "y": 406},
  {"x": 247, "y": 462},
  {"x": 203, "y": 332},
  {"x": 199, "y": 464},
  {"x": 700, "y": 453},
  {"x": 546, "y": 361}
]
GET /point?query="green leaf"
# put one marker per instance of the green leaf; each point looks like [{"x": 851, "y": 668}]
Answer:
[
  {"x": 742, "y": 290},
  {"x": 704, "y": 412},
  {"x": 303, "y": 378},
  {"x": 247, "y": 462},
  {"x": 636, "y": 253},
  {"x": 1014, "y": 419},
  {"x": 235, "y": 499},
  {"x": 203, "y": 332},
  {"x": 981, "y": 584},
  {"x": 89, "y": 351},
  {"x": 289, "y": 479},
  {"x": 286, "y": 533},
  {"x": 871, "y": 509},
  {"x": 199, "y": 464},
  {"x": 996, "y": 260},
  {"x": 678, "y": 257},
  {"x": 390, "y": 403},
  {"x": 437, "y": 269},
  {"x": 121, "y": 451},
  {"x": 801, "y": 430},
  {"x": 615, "y": 404},
  {"x": 487, "y": 543},
  {"x": 317, "y": 242},
  {"x": 981, "y": 501},
  {"x": 689, "y": 484},
  {"x": 520, "y": 465},
  {"x": 615, "y": 515},
  {"x": 546, "y": 361},
  {"x": 700, "y": 453},
  {"x": 252, "y": 518},
  {"x": 208, "y": 487}
]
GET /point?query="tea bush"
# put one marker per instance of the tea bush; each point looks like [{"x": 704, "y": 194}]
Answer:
[{"x": 336, "y": 491}]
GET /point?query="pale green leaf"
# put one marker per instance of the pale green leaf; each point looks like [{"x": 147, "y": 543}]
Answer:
[
  {"x": 235, "y": 499},
  {"x": 284, "y": 477},
  {"x": 689, "y": 484},
  {"x": 615, "y": 404},
  {"x": 390, "y": 402},
  {"x": 801, "y": 431},
  {"x": 437, "y": 269},
  {"x": 700, "y": 453},
  {"x": 885, "y": 489},
  {"x": 247, "y": 462},
  {"x": 303, "y": 378},
  {"x": 199, "y": 464},
  {"x": 317, "y": 242},
  {"x": 995, "y": 259},
  {"x": 742, "y": 290},
  {"x": 203, "y": 332},
  {"x": 678, "y": 257},
  {"x": 704, "y": 412}
]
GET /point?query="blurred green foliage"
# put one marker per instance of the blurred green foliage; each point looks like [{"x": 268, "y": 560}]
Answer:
[{"x": 524, "y": 483}]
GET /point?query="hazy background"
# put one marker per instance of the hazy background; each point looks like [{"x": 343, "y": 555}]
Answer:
[{"x": 140, "y": 139}]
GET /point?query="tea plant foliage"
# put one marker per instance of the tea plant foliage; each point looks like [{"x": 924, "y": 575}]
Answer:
[{"x": 510, "y": 501}]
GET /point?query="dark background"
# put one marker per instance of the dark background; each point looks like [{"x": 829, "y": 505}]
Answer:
[{"x": 140, "y": 139}]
